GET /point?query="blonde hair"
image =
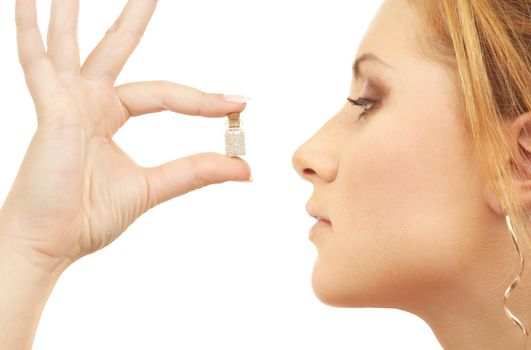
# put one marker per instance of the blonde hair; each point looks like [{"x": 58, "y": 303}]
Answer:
[{"x": 487, "y": 43}]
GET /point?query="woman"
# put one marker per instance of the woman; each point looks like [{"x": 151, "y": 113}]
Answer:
[
  {"x": 411, "y": 196},
  {"x": 410, "y": 191}
]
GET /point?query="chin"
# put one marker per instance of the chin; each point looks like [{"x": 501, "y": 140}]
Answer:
[
  {"x": 331, "y": 290},
  {"x": 337, "y": 287}
]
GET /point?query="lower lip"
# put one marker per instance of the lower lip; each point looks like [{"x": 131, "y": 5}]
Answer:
[{"x": 320, "y": 225}]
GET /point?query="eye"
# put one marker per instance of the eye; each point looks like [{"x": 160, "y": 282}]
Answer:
[{"x": 365, "y": 103}]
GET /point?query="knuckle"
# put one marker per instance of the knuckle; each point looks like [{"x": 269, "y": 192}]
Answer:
[
  {"x": 28, "y": 62},
  {"x": 204, "y": 169},
  {"x": 198, "y": 175},
  {"x": 200, "y": 101},
  {"x": 70, "y": 32},
  {"x": 130, "y": 35},
  {"x": 161, "y": 84},
  {"x": 152, "y": 186},
  {"x": 113, "y": 28}
]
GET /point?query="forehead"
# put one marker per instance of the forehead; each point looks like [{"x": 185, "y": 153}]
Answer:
[{"x": 393, "y": 34}]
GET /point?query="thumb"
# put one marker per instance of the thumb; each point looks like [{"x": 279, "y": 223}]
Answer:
[{"x": 186, "y": 174}]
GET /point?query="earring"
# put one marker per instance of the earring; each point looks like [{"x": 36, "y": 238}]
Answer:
[{"x": 514, "y": 283}]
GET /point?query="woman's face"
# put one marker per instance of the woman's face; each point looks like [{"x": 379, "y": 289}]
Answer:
[{"x": 401, "y": 186}]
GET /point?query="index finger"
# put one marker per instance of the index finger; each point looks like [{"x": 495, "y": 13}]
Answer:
[{"x": 156, "y": 96}]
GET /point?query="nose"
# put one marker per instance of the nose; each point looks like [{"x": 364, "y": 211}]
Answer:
[{"x": 315, "y": 159}]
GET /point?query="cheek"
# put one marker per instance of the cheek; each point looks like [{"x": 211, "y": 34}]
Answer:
[{"x": 398, "y": 206}]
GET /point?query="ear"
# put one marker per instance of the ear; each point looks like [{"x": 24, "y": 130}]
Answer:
[{"x": 519, "y": 137}]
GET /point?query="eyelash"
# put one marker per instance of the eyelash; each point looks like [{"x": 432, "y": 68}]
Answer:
[{"x": 365, "y": 103}]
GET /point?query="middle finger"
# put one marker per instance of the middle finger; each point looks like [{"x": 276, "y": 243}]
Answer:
[
  {"x": 108, "y": 58},
  {"x": 63, "y": 48}
]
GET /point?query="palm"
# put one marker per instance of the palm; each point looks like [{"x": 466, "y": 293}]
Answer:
[
  {"x": 77, "y": 190},
  {"x": 114, "y": 190}
]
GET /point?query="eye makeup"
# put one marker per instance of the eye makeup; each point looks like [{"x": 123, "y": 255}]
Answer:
[
  {"x": 368, "y": 98},
  {"x": 365, "y": 103}
]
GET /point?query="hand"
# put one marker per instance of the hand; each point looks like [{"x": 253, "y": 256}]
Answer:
[{"x": 76, "y": 190}]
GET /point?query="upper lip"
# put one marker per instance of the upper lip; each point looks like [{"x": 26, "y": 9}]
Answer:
[{"x": 315, "y": 213}]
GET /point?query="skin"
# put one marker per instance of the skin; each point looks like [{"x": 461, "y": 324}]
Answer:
[
  {"x": 76, "y": 190},
  {"x": 414, "y": 223}
]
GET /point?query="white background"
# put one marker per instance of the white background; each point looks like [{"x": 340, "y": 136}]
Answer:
[{"x": 227, "y": 266}]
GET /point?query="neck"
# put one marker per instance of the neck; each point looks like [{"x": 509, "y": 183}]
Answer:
[
  {"x": 470, "y": 314},
  {"x": 478, "y": 321}
]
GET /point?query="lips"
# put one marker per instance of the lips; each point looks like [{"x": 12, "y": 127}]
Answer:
[{"x": 313, "y": 212}]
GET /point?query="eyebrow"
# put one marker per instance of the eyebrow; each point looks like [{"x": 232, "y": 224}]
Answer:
[{"x": 366, "y": 57}]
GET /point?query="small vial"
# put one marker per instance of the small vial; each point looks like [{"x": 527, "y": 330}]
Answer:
[{"x": 234, "y": 137}]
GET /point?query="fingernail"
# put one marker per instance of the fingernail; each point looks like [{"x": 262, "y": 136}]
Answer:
[
  {"x": 251, "y": 179},
  {"x": 236, "y": 98}
]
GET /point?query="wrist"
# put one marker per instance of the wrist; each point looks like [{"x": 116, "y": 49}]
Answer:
[
  {"x": 35, "y": 263},
  {"x": 14, "y": 260},
  {"x": 25, "y": 290}
]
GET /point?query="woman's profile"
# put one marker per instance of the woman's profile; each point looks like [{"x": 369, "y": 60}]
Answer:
[
  {"x": 412, "y": 194},
  {"x": 421, "y": 182}
]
